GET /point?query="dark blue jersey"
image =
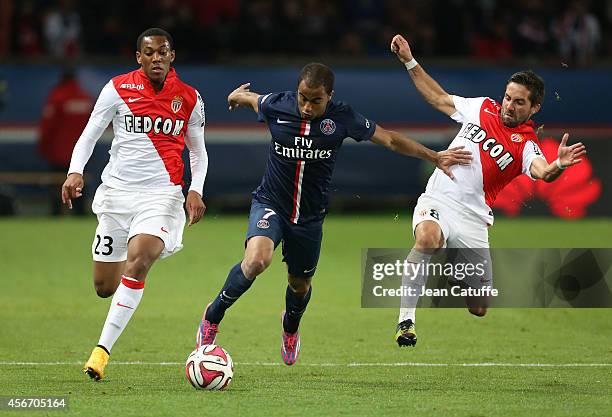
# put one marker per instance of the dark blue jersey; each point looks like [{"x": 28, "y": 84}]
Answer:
[{"x": 303, "y": 154}]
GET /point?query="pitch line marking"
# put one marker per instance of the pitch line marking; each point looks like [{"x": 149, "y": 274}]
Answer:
[{"x": 347, "y": 365}]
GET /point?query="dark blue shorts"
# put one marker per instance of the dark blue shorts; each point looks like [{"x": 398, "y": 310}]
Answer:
[{"x": 301, "y": 243}]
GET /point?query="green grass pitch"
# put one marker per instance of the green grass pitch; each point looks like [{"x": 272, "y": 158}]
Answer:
[{"x": 49, "y": 313}]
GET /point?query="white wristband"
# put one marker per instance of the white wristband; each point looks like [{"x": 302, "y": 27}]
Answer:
[
  {"x": 411, "y": 64},
  {"x": 558, "y": 163}
]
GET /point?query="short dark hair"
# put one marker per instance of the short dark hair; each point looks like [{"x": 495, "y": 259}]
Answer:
[
  {"x": 316, "y": 74},
  {"x": 154, "y": 32},
  {"x": 533, "y": 82}
]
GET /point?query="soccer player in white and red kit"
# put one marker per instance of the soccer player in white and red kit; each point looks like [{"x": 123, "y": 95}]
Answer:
[
  {"x": 139, "y": 204},
  {"x": 456, "y": 212}
]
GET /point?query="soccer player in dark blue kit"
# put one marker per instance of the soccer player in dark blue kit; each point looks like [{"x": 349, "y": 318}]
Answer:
[{"x": 291, "y": 202}]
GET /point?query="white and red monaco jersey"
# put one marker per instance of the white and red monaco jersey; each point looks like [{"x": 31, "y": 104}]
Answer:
[
  {"x": 150, "y": 133},
  {"x": 500, "y": 154}
]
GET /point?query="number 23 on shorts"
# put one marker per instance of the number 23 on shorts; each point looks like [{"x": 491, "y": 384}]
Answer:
[{"x": 104, "y": 245}]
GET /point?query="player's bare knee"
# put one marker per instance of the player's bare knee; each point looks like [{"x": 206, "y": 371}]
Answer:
[
  {"x": 138, "y": 267},
  {"x": 104, "y": 290},
  {"x": 427, "y": 241},
  {"x": 428, "y": 237},
  {"x": 302, "y": 289},
  {"x": 254, "y": 265},
  {"x": 299, "y": 286},
  {"x": 478, "y": 311},
  {"x": 106, "y": 277}
]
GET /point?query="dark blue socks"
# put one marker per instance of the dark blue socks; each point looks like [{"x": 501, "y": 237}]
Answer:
[
  {"x": 235, "y": 285},
  {"x": 295, "y": 307}
]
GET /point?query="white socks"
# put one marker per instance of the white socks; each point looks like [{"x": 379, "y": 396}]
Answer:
[
  {"x": 415, "y": 279},
  {"x": 124, "y": 303}
]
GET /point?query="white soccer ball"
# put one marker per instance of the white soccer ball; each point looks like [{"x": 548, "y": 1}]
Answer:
[{"x": 210, "y": 367}]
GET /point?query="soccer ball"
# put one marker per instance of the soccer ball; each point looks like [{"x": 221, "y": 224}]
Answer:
[{"x": 210, "y": 367}]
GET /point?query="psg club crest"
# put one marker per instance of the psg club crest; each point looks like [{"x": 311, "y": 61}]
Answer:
[
  {"x": 176, "y": 104},
  {"x": 328, "y": 126},
  {"x": 516, "y": 137}
]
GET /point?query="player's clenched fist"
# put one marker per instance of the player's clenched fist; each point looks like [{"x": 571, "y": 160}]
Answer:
[
  {"x": 400, "y": 47},
  {"x": 72, "y": 188}
]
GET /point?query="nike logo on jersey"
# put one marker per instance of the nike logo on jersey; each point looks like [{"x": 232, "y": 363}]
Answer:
[
  {"x": 490, "y": 112},
  {"x": 133, "y": 99},
  {"x": 164, "y": 230},
  {"x": 123, "y": 305},
  {"x": 282, "y": 122}
]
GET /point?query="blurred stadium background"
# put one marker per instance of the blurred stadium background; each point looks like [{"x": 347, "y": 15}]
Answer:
[{"x": 470, "y": 47}]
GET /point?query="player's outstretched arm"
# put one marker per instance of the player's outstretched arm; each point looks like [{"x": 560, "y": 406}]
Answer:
[
  {"x": 243, "y": 97},
  {"x": 566, "y": 157},
  {"x": 406, "y": 146},
  {"x": 431, "y": 91}
]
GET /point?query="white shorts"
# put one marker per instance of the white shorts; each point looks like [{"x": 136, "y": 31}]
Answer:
[
  {"x": 124, "y": 214},
  {"x": 461, "y": 229}
]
